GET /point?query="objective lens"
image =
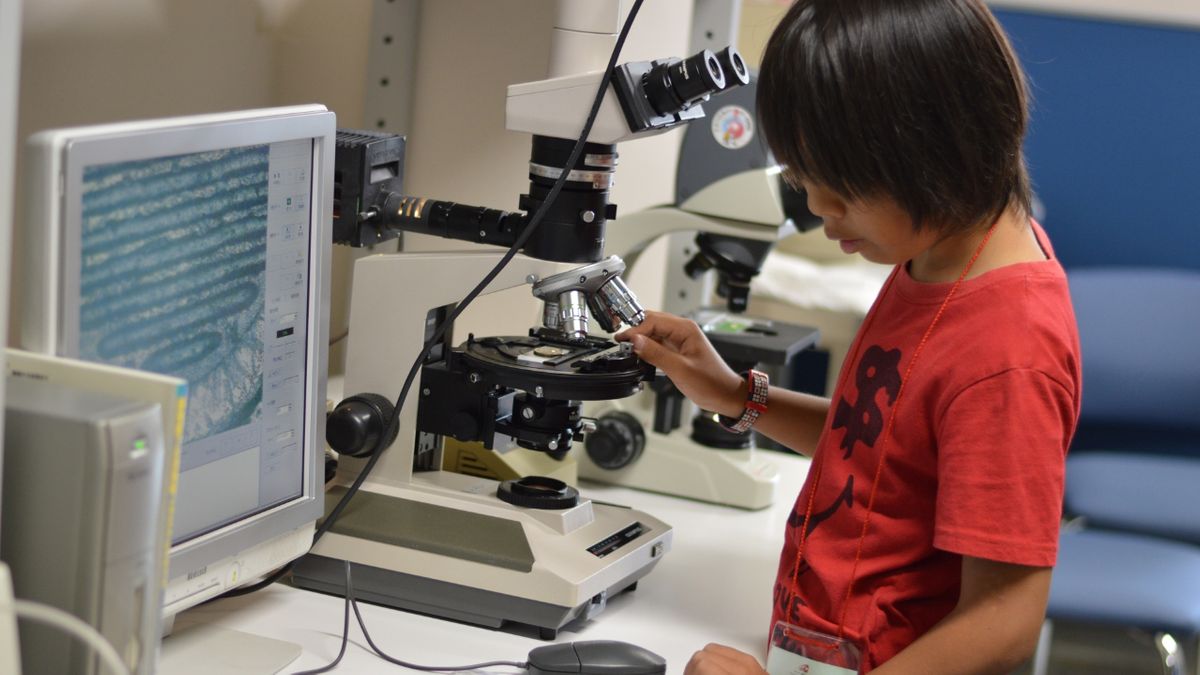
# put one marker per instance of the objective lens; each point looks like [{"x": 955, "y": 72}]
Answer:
[
  {"x": 620, "y": 302},
  {"x": 672, "y": 86},
  {"x": 550, "y": 315},
  {"x": 573, "y": 315}
]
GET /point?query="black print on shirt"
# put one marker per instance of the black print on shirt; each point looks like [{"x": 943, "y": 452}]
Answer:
[
  {"x": 787, "y": 605},
  {"x": 863, "y": 421},
  {"x": 844, "y": 498}
]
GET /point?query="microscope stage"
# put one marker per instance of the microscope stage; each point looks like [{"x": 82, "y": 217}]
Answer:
[{"x": 591, "y": 370}]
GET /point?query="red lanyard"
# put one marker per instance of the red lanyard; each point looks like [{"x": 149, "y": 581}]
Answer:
[{"x": 887, "y": 437}]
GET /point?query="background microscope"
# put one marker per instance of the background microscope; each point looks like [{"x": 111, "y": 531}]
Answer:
[
  {"x": 531, "y": 550},
  {"x": 731, "y": 207}
]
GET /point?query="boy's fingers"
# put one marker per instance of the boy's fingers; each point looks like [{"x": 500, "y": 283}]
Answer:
[
  {"x": 671, "y": 329},
  {"x": 708, "y": 662},
  {"x": 730, "y": 652},
  {"x": 660, "y": 327},
  {"x": 715, "y": 658},
  {"x": 654, "y": 353},
  {"x": 649, "y": 326}
]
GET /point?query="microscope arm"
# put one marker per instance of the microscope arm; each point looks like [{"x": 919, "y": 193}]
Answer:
[{"x": 634, "y": 232}]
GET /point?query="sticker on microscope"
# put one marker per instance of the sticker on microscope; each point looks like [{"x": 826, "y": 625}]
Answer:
[{"x": 733, "y": 127}]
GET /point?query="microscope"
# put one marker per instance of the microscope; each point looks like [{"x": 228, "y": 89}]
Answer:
[
  {"x": 531, "y": 550},
  {"x": 731, "y": 207}
]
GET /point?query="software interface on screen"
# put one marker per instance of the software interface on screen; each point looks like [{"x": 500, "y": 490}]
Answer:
[{"x": 197, "y": 266}]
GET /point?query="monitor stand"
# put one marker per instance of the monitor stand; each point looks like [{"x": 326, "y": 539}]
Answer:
[{"x": 204, "y": 649}]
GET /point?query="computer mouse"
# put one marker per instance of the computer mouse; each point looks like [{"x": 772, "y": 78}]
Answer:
[{"x": 596, "y": 657}]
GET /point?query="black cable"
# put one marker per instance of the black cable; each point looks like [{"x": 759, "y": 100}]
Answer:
[
  {"x": 534, "y": 222},
  {"x": 345, "y": 630},
  {"x": 413, "y": 666}
]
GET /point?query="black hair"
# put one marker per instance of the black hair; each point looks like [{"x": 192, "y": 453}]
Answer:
[{"x": 920, "y": 101}]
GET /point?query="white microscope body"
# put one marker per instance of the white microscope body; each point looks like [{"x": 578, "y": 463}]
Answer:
[
  {"x": 474, "y": 558},
  {"x": 470, "y": 548}
]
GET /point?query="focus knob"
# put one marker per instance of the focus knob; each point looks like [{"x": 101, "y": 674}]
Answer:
[
  {"x": 357, "y": 423},
  {"x": 617, "y": 441}
]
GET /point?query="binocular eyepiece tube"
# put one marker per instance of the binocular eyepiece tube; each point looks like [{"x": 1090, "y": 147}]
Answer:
[{"x": 677, "y": 84}]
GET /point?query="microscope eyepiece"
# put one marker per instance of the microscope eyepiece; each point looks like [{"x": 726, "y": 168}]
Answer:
[
  {"x": 736, "y": 72},
  {"x": 672, "y": 86}
]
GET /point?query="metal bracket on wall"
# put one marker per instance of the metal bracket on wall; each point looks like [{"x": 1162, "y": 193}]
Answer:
[
  {"x": 715, "y": 24},
  {"x": 392, "y": 72},
  {"x": 391, "y": 65}
]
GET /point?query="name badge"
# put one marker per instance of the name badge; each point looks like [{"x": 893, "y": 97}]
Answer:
[{"x": 798, "y": 651}]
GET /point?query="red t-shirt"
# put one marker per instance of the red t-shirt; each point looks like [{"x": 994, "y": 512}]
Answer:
[{"x": 975, "y": 464}]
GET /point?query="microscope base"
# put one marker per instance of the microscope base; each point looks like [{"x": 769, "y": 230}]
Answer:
[
  {"x": 450, "y": 601},
  {"x": 676, "y": 465},
  {"x": 445, "y": 545}
]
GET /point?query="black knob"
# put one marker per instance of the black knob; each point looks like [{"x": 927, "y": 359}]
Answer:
[
  {"x": 357, "y": 423},
  {"x": 466, "y": 427},
  {"x": 617, "y": 441}
]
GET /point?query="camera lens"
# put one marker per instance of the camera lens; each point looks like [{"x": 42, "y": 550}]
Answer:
[{"x": 672, "y": 86}]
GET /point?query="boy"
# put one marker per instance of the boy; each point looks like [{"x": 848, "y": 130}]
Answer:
[{"x": 924, "y": 538}]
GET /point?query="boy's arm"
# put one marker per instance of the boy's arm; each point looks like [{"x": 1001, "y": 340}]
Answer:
[
  {"x": 792, "y": 419},
  {"x": 993, "y": 629},
  {"x": 680, "y": 349}
]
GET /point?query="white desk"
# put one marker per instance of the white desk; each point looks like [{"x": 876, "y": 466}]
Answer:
[{"x": 713, "y": 586}]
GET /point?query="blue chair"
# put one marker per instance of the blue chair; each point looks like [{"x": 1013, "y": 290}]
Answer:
[{"x": 1133, "y": 477}]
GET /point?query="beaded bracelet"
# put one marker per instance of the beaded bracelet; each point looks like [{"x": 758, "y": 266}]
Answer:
[{"x": 757, "y": 385}]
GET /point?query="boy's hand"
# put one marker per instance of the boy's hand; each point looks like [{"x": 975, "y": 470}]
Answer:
[
  {"x": 717, "y": 659},
  {"x": 678, "y": 347}
]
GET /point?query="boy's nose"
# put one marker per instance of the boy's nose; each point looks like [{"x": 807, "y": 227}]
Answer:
[{"x": 824, "y": 204}]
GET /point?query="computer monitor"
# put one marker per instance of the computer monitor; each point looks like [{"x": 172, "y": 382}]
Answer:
[{"x": 199, "y": 247}]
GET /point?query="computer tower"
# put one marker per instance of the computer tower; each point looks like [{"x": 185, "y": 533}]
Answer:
[{"x": 83, "y": 473}]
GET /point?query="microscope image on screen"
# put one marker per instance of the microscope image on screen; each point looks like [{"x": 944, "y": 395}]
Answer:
[
  {"x": 195, "y": 266},
  {"x": 210, "y": 209}
]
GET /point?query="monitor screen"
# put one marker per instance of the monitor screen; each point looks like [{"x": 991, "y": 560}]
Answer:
[
  {"x": 196, "y": 266},
  {"x": 199, "y": 247}
]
